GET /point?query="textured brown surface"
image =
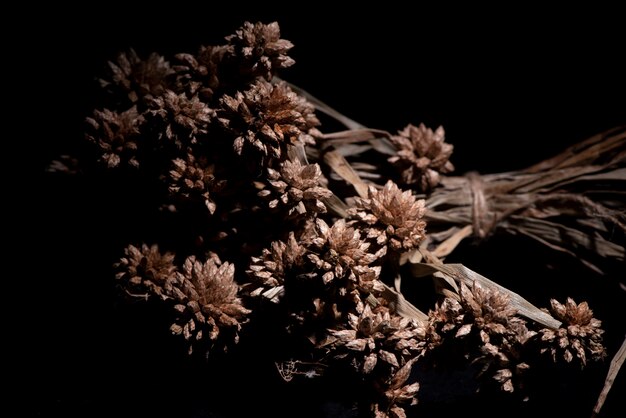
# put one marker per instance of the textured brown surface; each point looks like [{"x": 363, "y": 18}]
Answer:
[{"x": 74, "y": 250}]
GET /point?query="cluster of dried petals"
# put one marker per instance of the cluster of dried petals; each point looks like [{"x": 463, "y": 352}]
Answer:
[
  {"x": 146, "y": 272},
  {"x": 180, "y": 119},
  {"x": 199, "y": 74},
  {"x": 392, "y": 217},
  {"x": 580, "y": 336},
  {"x": 339, "y": 253},
  {"x": 194, "y": 179},
  {"x": 208, "y": 301},
  {"x": 490, "y": 310},
  {"x": 397, "y": 393},
  {"x": 378, "y": 335},
  {"x": 116, "y": 135},
  {"x": 422, "y": 155},
  {"x": 270, "y": 269},
  {"x": 297, "y": 188},
  {"x": 135, "y": 78},
  {"x": 486, "y": 317},
  {"x": 267, "y": 118},
  {"x": 258, "y": 49}
]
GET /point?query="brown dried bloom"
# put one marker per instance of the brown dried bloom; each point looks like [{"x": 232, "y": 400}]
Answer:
[
  {"x": 379, "y": 335},
  {"x": 209, "y": 304},
  {"x": 258, "y": 49},
  {"x": 490, "y": 310},
  {"x": 340, "y": 254},
  {"x": 580, "y": 336},
  {"x": 392, "y": 217},
  {"x": 145, "y": 272},
  {"x": 135, "y": 78},
  {"x": 199, "y": 74},
  {"x": 194, "y": 178},
  {"x": 275, "y": 263},
  {"x": 397, "y": 392},
  {"x": 180, "y": 119},
  {"x": 296, "y": 187},
  {"x": 422, "y": 155},
  {"x": 267, "y": 118},
  {"x": 116, "y": 135},
  {"x": 485, "y": 318}
]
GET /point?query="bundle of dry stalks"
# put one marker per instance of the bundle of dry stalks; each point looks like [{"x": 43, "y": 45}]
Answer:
[{"x": 327, "y": 225}]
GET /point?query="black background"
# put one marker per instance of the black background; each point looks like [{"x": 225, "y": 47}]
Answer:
[{"x": 509, "y": 87}]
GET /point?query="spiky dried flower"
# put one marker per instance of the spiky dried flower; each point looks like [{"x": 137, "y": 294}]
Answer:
[
  {"x": 146, "y": 272},
  {"x": 135, "y": 78},
  {"x": 580, "y": 337},
  {"x": 115, "y": 135},
  {"x": 392, "y": 217},
  {"x": 267, "y": 118},
  {"x": 485, "y": 318},
  {"x": 199, "y": 73},
  {"x": 378, "y": 335},
  {"x": 490, "y": 310},
  {"x": 396, "y": 393},
  {"x": 275, "y": 263},
  {"x": 193, "y": 178},
  {"x": 209, "y": 304},
  {"x": 180, "y": 119},
  {"x": 422, "y": 155},
  {"x": 296, "y": 187},
  {"x": 339, "y": 253},
  {"x": 258, "y": 50}
]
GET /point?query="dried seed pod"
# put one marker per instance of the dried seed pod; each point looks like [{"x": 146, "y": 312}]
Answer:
[
  {"x": 179, "y": 119},
  {"x": 258, "y": 51},
  {"x": 579, "y": 338},
  {"x": 194, "y": 179},
  {"x": 297, "y": 188},
  {"x": 134, "y": 79},
  {"x": 391, "y": 217},
  {"x": 422, "y": 156},
  {"x": 116, "y": 135},
  {"x": 199, "y": 74},
  {"x": 145, "y": 272},
  {"x": 265, "y": 119},
  {"x": 209, "y": 305}
]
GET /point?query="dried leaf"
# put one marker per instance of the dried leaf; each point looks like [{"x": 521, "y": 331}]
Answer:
[
  {"x": 616, "y": 364},
  {"x": 462, "y": 274}
]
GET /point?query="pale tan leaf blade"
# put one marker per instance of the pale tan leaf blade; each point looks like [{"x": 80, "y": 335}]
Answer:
[
  {"x": 616, "y": 364},
  {"x": 462, "y": 274},
  {"x": 345, "y": 171}
]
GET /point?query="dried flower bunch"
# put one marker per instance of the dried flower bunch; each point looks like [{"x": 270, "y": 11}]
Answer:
[{"x": 225, "y": 144}]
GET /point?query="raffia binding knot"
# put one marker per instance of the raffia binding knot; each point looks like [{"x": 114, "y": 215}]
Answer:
[{"x": 483, "y": 219}]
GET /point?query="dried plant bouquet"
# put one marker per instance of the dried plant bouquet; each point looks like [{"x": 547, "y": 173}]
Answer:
[{"x": 276, "y": 223}]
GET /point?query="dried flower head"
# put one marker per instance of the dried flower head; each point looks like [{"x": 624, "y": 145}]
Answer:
[
  {"x": 490, "y": 310},
  {"x": 146, "y": 272},
  {"x": 258, "y": 50},
  {"x": 580, "y": 337},
  {"x": 275, "y": 263},
  {"x": 267, "y": 118},
  {"x": 378, "y": 335},
  {"x": 297, "y": 188},
  {"x": 340, "y": 254},
  {"x": 485, "y": 319},
  {"x": 392, "y": 217},
  {"x": 116, "y": 135},
  {"x": 199, "y": 73},
  {"x": 134, "y": 78},
  {"x": 422, "y": 156},
  {"x": 180, "y": 119},
  {"x": 193, "y": 178},
  {"x": 396, "y": 393},
  {"x": 209, "y": 304}
]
